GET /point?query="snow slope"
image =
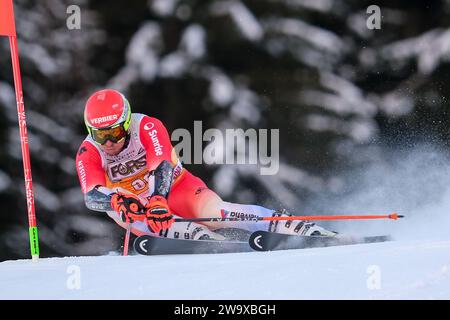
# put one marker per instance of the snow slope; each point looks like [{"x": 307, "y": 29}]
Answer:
[
  {"x": 416, "y": 266},
  {"x": 394, "y": 270}
]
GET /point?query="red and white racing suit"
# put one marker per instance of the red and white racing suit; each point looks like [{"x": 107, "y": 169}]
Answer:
[{"x": 147, "y": 146}]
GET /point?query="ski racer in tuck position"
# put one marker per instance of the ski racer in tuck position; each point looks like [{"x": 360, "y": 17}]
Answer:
[{"x": 128, "y": 168}]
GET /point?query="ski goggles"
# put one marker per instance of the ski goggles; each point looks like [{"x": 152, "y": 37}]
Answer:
[{"x": 114, "y": 134}]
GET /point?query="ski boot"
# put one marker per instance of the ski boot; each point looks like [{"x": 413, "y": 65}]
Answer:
[
  {"x": 301, "y": 228},
  {"x": 192, "y": 231}
]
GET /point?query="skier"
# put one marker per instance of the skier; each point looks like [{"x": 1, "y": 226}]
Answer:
[{"x": 128, "y": 168}]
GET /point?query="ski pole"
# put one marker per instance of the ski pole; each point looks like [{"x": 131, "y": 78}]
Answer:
[
  {"x": 393, "y": 216},
  {"x": 127, "y": 239}
]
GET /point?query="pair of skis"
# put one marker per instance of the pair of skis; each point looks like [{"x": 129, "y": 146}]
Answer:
[{"x": 258, "y": 241}]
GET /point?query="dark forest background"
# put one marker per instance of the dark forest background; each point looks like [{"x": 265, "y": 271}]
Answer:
[{"x": 341, "y": 94}]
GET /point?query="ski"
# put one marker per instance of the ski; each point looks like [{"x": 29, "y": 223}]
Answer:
[
  {"x": 258, "y": 241},
  {"x": 269, "y": 241},
  {"x": 148, "y": 245}
]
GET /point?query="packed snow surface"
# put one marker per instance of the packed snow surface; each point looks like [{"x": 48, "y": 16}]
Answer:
[{"x": 391, "y": 270}]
